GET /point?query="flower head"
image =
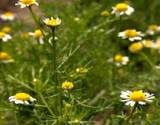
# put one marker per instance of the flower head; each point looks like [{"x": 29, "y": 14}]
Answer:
[
  {"x": 135, "y": 47},
  {"x": 138, "y": 96},
  {"x": 153, "y": 29},
  {"x": 5, "y": 58},
  {"x": 120, "y": 60},
  {"x": 38, "y": 35},
  {"x": 22, "y": 98},
  {"x": 26, "y": 3},
  {"x": 4, "y": 36},
  {"x": 52, "y": 22},
  {"x": 6, "y": 29},
  {"x": 7, "y": 16},
  {"x": 147, "y": 43},
  {"x": 104, "y": 13},
  {"x": 122, "y": 9},
  {"x": 67, "y": 85},
  {"x": 131, "y": 34}
]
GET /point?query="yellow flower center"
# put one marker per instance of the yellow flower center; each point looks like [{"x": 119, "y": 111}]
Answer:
[
  {"x": 122, "y": 7},
  {"x": 118, "y": 58},
  {"x": 4, "y": 56},
  {"x": 6, "y": 29},
  {"x": 2, "y": 34},
  {"x": 8, "y": 14},
  {"x": 153, "y": 27},
  {"x": 131, "y": 33},
  {"x": 137, "y": 96},
  {"x": 22, "y": 96},
  {"x": 52, "y": 22},
  {"x": 135, "y": 47},
  {"x": 147, "y": 43},
  {"x": 67, "y": 85},
  {"x": 104, "y": 13},
  {"x": 38, "y": 33},
  {"x": 28, "y": 2}
]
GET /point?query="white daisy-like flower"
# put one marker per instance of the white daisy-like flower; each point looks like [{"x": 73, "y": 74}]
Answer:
[
  {"x": 38, "y": 35},
  {"x": 120, "y": 60},
  {"x": 5, "y": 58},
  {"x": 7, "y": 16},
  {"x": 52, "y": 22},
  {"x": 5, "y": 37},
  {"x": 147, "y": 43},
  {"x": 131, "y": 34},
  {"x": 22, "y": 98},
  {"x": 136, "y": 97},
  {"x": 153, "y": 29},
  {"x": 26, "y": 3},
  {"x": 122, "y": 9}
]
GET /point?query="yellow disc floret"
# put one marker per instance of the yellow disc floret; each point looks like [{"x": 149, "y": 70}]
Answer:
[
  {"x": 67, "y": 85},
  {"x": 131, "y": 33},
  {"x": 135, "y": 47},
  {"x": 22, "y": 96},
  {"x": 6, "y": 29},
  {"x": 121, "y": 7},
  {"x": 52, "y": 21},
  {"x": 2, "y": 34},
  {"x": 153, "y": 27},
  {"x": 118, "y": 58},
  {"x": 4, "y": 56},
  {"x": 28, "y": 2},
  {"x": 8, "y": 14},
  {"x": 38, "y": 33},
  {"x": 137, "y": 96}
]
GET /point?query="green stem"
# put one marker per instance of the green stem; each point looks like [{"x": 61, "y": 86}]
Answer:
[
  {"x": 131, "y": 114},
  {"x": 35, "y": 19},
  {"x": 54, "y": 55},
  {"x": 55, "y": 74},
  {"x": 147, "y": 59},
  {"x": 46, "y": 104},
  {"x": 16, "y": 118}
]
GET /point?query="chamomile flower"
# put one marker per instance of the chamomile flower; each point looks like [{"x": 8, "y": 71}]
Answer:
[
  {"x": 7, "y": 16},
  {"x": 131, "y": 34},
  {"x": 22, "y": 98},
  {"x": 52, "y": 22},
  {"x": 104, "y": 13},
  {"x": 26, "y": 3},
  {"x": 135, "y": 47},
  {"x": 38, "y": 35},
  {"x": 4, "y": 36},
  {"x": 136, "y": 97},
  {"x": 153, "y": 29},
  {"x": 147, "y": 43},
  {"x": 120, "y": 60},
  {"x": 6, "y": 29},
  {"x": 67, "y": 85},
  {"x": 5, "y": 58},
  {"x": 122, "y": 9},
  {"x": 157, "y": 44}
]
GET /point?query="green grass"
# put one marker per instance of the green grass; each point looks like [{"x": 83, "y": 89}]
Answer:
[{"x": 89, "y": 42}]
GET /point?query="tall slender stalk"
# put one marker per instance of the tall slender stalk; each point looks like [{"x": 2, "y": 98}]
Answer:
[
  {"x": 147, "y": 59},
  {"x": 55, "y": 75},
  {"x": 131, "y": 114},
  {"x": 54, "y": 50},
  {"x": 35, "y": 19}
]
